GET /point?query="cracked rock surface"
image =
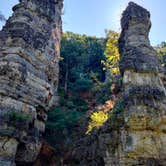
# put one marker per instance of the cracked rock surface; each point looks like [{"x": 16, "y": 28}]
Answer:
[{"x": 29, "y": 55}]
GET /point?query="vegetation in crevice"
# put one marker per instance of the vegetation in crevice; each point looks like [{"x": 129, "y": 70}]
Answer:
[
  {"x": 161, "y": 50},
  {"x": 87, "y": 88},
  {"x": 17, "y": 119},
  {"x": 97, "y": 119},
  {"x": 111, "y": 53}
]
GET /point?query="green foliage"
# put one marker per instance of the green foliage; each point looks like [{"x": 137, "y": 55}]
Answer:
[
  {"x": 99, "y": 88},
  {"x": 97, "y": 120},
  {"x": 80, "y": 104},
  {"x": 118, "y": 108},
  {"x": 161, "y": 50},
  {"x": 60, "y": 124},
  {"x": 59, "y": 119},
  {"x": 76, "y": 102},
  {"x": 82, "y": 84},
  {"x": 101, "y": 92},
  {"x": 81, "y": 55},
  {"x": 15, "y": 117},
  {"x": 62, "y": 121}
]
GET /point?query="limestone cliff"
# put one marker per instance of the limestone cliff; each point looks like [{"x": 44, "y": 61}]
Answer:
[
  {"x": 143, "y": 137},
  {"x": 135, "y": 133},
  {"x": 29, "y": 55}
]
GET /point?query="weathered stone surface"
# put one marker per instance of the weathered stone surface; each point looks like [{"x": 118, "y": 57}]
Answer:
[
  {"x": 29, "y": 55},
  {"x": 27, "y": 153},
  {"x": 142, "y": 139},
  {"x": 136, "y": 52},
  {"x": 136, "y": 134},
  {"x": 8, "y": 148}
]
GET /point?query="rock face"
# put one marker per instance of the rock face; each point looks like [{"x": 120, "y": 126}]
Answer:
[
  {"x": 29, "y": 55},
  {"x": 135, "y": 133},
  {"x": 142, "y": 139}
]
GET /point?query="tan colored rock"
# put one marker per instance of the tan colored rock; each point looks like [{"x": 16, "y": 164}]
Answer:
[
  {"x": 135, "y": 133},
  {"x": 8, "y": 148},
  {"x": 39, "y": 125},
  {"x": 29, "y": 56},
  {"x": 143, "y": 137}
]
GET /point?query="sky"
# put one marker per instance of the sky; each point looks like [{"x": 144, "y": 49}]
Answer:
[{"x": 92, "y": 17}]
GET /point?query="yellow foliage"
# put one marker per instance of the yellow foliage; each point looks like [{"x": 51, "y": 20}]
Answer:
[
  {"x": 112, "y": 53},
  {"x": 97, "y": 120}
]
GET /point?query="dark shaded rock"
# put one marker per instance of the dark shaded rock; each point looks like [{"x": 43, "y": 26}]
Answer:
[
  {"x": 135, "y": 132},
  {"x": 28, "y": 76},
  {"x": 134, "y": 46},
  {"x": 144, "y": 95},
  {"x": 47, "y": 156}
]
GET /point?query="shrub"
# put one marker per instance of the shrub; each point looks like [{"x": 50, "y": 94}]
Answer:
[
  {"x": 60, "y": 124},
  {"x": 15, "y": 118},
  {"x": 118, "y": 108},
  {"x": 80, "y": 104},
  {"x": 82, "y": 84},
  {"x": 102, "y": 88},
  {"x": 97, "y": 120}
]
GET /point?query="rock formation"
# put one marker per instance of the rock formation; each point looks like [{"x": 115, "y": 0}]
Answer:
[
  {"x": 143, "y": 137},
  {"x": 135, "y": 133},
  {"x": 29, "y": 55}
]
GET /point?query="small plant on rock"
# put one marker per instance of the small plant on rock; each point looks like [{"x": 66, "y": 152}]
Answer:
[
  {"x": 118, "y": 108},
  {"x": 16, "y": 118},
  {"x": 97, "y": 120}
]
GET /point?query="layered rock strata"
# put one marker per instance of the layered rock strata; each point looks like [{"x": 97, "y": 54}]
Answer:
[
  {"x": 29, "y": 55},
  {"x": 142, "y": 139},
  {"x": 135, "y": 133}
]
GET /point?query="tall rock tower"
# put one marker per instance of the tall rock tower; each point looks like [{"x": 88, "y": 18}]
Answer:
[
  {"x": 143, "y": 137},
  {"x": 29, "y": 55},
  {"x": 135, "y": 132}
]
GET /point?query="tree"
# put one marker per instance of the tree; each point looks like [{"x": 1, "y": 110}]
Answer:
[
  {"x": 161, "y": 50},
  {"x": 81, "y": 55},
  {"x": 112, "y": 53},
  {"x": 69, "y": 54},
  {"x": 81, "y": 88}
]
